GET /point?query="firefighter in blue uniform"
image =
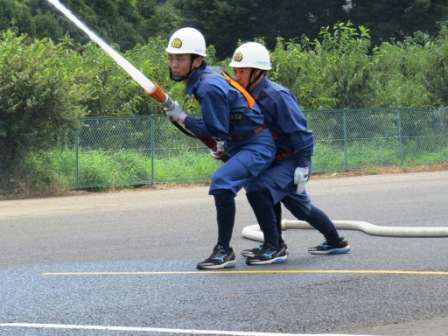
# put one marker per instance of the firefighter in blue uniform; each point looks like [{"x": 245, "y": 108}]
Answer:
[
  {"x": 227, "y": 116},
  {"x": 285, "y": 180}
]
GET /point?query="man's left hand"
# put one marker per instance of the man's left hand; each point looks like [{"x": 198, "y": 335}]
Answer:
[{"x": 300, "y": 178}]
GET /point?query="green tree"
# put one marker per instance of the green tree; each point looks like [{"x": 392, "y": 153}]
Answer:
[
  {"x": 112, "y": 91},
  {"x": 329, "y": 72},
  {"x": 159, "y": 20},
  {"x": 16, "y": 14},
  {"x": 398, "y": 19},
  {"x": 412, "y": 73},
  {"x": 116, "y": 21},
  {"x": 40, "y": 89},
  {"x": 47, "y": 26},
  {"x": 224, "y": 22}
]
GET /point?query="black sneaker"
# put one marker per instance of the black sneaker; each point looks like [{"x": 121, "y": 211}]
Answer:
[
  {"x": 250, "y": 253},
  {"x": 268, "y": 255},
  {"x": 340, "y": 248},
  {"x": 220, "y": 258}
]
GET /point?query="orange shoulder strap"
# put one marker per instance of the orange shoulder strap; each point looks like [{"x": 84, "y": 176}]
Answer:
[{"x": 249, "y": 98}]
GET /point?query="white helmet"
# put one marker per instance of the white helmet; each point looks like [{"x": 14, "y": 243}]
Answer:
[
  {"x": 187, "y": 41},
  {"x": 251, "y": 55}
]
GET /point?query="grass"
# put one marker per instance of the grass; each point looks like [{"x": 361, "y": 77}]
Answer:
[{"x": 102, "y": 170}]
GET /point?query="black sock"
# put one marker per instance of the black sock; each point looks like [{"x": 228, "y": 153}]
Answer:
[
  {"x": 225, "y": 216},
  {"x": 263, "y": 207}
]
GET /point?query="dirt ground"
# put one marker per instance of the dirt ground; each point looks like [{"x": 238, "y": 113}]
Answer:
[{"x": 163, "y": 186}]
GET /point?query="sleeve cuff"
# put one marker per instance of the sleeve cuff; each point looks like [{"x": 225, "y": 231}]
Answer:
[
  {"x": 182, "y": 117},
  {"x": 303, "y": 162}
]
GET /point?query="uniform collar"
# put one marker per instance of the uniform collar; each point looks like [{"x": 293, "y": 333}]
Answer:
[
  {"x": 259, "y": 88},
  {"x": 193, "y": 81}
]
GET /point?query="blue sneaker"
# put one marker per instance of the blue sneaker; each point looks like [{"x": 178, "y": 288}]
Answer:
[
  {"x": 250, "y": 253},
  {"x": 220, "y": 258},
  {"x": 268, "y": 254},
  {"x": 341, "y": 247}
]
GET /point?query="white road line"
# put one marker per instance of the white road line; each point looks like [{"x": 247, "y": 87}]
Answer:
[
  {"x": 265, "y": 271},
  {"x": 158, "y": 330}
]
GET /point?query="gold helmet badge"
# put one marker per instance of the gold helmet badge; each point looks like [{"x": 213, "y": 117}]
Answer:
[
  {"x": 238, "y": 57},
  {"x": 177, "y": 43}
]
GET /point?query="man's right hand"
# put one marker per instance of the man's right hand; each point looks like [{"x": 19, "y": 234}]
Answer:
[
  {"x": 176, "y": 113},
  {"x": 220, "y": 153}
]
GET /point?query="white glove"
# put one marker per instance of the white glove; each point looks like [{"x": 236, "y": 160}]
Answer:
[
  {"x": 300, "y": 178},
  {"x": 219, "y": 152},
  {"x": 176, "y": 113}
]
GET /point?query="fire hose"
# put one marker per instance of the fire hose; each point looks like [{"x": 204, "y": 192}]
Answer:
[
  {"x": 253, "y": 232},
  {"x": 150, "y": 88}
]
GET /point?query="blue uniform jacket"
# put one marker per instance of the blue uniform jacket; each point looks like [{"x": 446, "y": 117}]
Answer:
[
  {"x": 293, "y": 141},
  {"x": 225, "y": 115},
  {"x": 224, "y": 110},
  {"x": 286, "y": 120}
]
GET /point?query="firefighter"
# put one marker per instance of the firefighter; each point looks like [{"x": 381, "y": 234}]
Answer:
[
  {"x": 233, "y": 118},
  {"x": 286, "y": 178}
]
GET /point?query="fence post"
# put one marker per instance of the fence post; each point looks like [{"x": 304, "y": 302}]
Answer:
[
  {"x": 152, "y": 145},
  {"x": 400, "y": 138},
  {"x": 344, "y": 118},
  {"x": 77, "y": 155}
]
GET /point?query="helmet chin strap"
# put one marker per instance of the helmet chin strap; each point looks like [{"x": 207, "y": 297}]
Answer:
[
  {"x": 176, "y": 78},
  {"x": 257, "y": 77},
  {"x": 182, "y": 78}
]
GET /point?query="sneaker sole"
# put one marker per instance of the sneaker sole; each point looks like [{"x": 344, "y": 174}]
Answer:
[
  {"x": 228, "y": 264},
  {"x": 248, "y": 255},
  {"x": 343, "y": 250},
  {"x": 277, "y": 260}
]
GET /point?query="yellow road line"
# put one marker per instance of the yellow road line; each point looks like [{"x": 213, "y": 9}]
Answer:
[{"x": 380, "y": 272}]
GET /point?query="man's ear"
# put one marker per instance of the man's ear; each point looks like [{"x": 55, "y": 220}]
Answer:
[{"x": 198, "y": 61}]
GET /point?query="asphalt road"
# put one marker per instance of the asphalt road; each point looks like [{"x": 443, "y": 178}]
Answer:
[{"x": 124, "y": 264}]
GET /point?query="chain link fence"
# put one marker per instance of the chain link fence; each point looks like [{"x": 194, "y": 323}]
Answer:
[
  {"x": 5, "y": 159},
  {"x": 111, "y": 152}
]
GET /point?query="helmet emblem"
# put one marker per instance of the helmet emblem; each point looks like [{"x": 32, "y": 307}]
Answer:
[
  {"x": 238, "y": 57},
  {"x": 177, "y": 43}
]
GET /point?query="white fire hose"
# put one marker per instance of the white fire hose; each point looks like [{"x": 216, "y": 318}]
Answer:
[{"x": 253, "y": 232}]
